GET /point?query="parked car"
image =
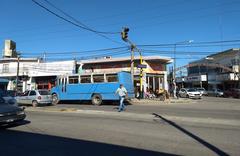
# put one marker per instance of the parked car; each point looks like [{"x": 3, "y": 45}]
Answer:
[
  {"x": 9, "y": 113},
  {"x": 215, "y": 92},
  {"x": 35, "y": 97},
  {"x": 8, "y": 97},
  {"x": 190, "y": 93},
  {"x": 232, "y": 92},
  {"x": 202, "y": 91}
]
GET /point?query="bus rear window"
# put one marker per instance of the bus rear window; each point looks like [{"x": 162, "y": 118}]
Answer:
[
  {"x": 98, "y": 78},
  {"x": 86, "y": 79},
  {"x": 112, "y": 77},
  {"x": 73, "y": 79}
]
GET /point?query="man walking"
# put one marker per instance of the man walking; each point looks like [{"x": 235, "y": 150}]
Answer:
[{"x": 122, "y": 92}]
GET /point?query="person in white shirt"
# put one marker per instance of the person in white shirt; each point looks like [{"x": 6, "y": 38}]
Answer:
[{"x": 122, "y": 92}]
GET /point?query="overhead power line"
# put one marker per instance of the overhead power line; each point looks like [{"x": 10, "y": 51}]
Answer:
[
  {"x": 82, "y": 52},
  {"x": 193, "y": 43},
  {"x": 78, "y": 23}
]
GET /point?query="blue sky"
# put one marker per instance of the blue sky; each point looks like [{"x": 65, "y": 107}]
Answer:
[{"x": 150, "y": 21}]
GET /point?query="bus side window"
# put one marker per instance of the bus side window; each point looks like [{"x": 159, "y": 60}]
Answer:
[
  {"x": 98, "y": 78},
  {"x": 112, "y": 77},
  {"x": 85, "y": 78},
  {"x": 73, "y": 79}
]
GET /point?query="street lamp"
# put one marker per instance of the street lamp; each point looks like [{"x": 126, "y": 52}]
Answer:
[{"x": 174, "y": 70}]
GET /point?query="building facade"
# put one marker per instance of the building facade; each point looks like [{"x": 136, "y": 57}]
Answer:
[
  {"x": 33, "y": 73},
  {"x": 154, "y": 75},
  {"x": 220, "y": 70}
]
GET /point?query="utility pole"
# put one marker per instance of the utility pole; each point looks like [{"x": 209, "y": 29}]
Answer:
[
  {"x": 17, "y": 77},
  {"x": 132, "y": 62},
  {"x": 238, "y": 69},
  {"x": 124, "y": 35},
  {"x": 174, "y": 69},
  {"x": 174, "y": 85},
  {"x": 141, "y": 75},
  {"x": 174, "y": 59}
]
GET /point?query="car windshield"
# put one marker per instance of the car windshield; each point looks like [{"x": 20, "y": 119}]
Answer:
[
  {"x": 191, "y": 90},
  {"x": 201, "y": 89},
  {"x": 43, "y": 92}
]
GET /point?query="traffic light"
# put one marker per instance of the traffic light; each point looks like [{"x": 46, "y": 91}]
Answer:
[{"x": 124, "y": 33}]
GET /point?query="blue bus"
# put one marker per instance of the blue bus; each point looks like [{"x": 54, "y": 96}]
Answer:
[{"x": 95, "y": 87}]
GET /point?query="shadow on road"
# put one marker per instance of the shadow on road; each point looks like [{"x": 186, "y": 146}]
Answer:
[
  {"x": 20, "y": 123},
  {"x": 203, "y": 142},
  {"x": 31, "y": 144}
]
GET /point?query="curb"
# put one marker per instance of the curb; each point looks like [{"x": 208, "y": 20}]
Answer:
[{"x": 157, "y": 102}]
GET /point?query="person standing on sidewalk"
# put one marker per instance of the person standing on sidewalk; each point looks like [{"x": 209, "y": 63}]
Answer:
[{"x": 122, "y": 92}]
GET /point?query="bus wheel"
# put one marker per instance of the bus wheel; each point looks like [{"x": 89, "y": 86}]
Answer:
[
  {"x": 55, "y": 99},
  {"x": 96, "y": 99}
]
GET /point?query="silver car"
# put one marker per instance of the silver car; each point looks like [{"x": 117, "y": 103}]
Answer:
[
  {"x": 190, "y": 93},
  {"x": 35, "y": 97},
  {"x": 215, "y": 92}
]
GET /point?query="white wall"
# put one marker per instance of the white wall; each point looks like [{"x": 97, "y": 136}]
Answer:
[{"x": 33, "y": 69}]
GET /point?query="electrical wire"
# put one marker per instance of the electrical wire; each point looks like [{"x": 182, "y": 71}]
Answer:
[
  {"x": 57, "y": 57},
  {"x": 80, "y": 25},
  {"x": 80, "y": 52},
  {"x": 77, "y": 21},
  {"x": 189, "y": 44}
]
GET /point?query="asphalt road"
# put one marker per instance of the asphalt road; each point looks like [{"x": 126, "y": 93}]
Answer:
[{"x": 205, "y": 127}]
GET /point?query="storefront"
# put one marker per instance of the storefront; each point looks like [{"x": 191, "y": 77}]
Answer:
[{"x": 154, "y": 75}]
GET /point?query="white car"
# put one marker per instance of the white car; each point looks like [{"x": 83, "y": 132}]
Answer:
[
  {"x": 202, "y": 91},
  {"x": 35, "y": 97},
  {"x": 190, "y": 93}
]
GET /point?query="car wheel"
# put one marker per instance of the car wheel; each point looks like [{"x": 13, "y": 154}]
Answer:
[
  {"x": 96, "y": 99},
  {"x": 187, "y": 96},
  {"x": 55, "y": 99},
  {"x": 34, "y": 103}
]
